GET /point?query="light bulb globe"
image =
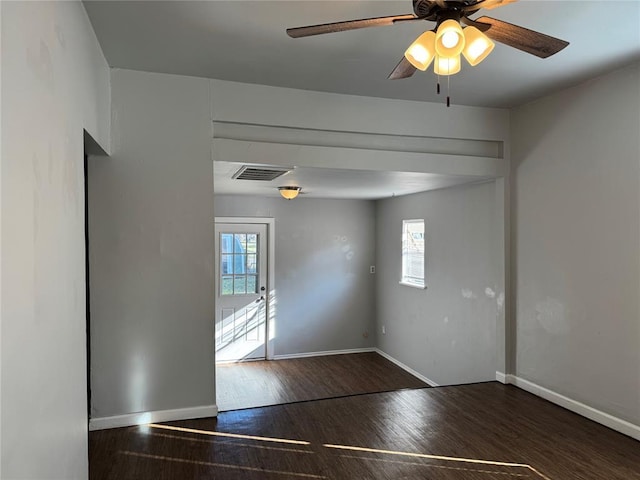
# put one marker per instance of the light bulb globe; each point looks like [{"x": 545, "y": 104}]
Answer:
[{"x": 450, "y": 39}]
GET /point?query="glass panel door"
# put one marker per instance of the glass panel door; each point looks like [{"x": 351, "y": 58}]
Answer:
[{"x": 240, "y": 298}]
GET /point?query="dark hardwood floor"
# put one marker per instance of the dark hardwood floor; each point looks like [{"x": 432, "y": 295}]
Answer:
[
  {"x": 471, "y": 432},
  {"x": 257, "y": 384}
]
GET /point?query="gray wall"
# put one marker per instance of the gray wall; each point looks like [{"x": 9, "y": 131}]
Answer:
[
  {"x": 323, "y": 250},
  {"x": 576, "y": 244},
  {"x": 55, "y": 83},
  {"x": 151, "y": 234},
  {"x": 448, "y": 331}
]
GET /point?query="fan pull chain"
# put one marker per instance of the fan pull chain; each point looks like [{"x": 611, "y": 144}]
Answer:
[
  {"x": 448, "y": 98},
  {"x": 438, "y": 85}
]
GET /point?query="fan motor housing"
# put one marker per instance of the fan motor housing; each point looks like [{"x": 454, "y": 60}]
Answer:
[{"x": 436, "y": 11}]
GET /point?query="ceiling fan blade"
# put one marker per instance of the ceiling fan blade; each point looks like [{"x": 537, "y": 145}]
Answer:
[
  {"x": 348, "y": 25},
  {"x": 403, "y": 70},
  {"x": 472, "y": 8},
  {"x": 529, "y": 41},
  {"x": 491, "y": 4}
]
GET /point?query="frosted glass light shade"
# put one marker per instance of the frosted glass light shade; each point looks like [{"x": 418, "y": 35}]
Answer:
[
  {"x": 421, "y": 52},
  {"x": 447, "y": 66},
  {"x": 289, "y": 192},
  {"x": 449, "y": 39},
  {"x": 476, "y": 46}
]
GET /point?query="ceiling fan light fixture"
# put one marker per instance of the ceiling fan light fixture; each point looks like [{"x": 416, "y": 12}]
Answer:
[
  {"x": 422, "y": 51},
  {"x": 289, "y": 192},
  {"x": 477, "y": 46},
  {"x": 449, "y": 39},
  {"x": 447, "y": 66}
]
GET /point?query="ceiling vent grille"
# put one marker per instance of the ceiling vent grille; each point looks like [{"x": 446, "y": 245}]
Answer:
[{"x": 263, "y": 174}]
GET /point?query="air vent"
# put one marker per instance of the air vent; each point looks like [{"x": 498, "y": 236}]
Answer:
[{"x": 263, "y": 174}]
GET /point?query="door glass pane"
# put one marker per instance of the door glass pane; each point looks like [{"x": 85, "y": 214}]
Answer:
[
  {"x": 239, "y": 285},
  {"x": 226, "y": 243},
  {"x": 240, "y": 243},
  {"x": 227, "y": 285},
  {"x": 226, "y": 264},
  {"x": 239, "y": 264},
  {"x": 252, "y": 263},
  {"x": 252, "y": 284},
  {"x": 252, "y": 243}
]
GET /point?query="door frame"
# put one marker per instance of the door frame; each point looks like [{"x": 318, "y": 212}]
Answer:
[{"x": 271, "y": 283}]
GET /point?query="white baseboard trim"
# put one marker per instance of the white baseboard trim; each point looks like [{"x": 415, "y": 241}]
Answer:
[
  {"x": 322, "y": 354},
  {"x": 429, "y": 382},
  {"x": 501, "y": 377},
  {"x": 142, "y": 418},
  {"x": 580, "y": 408}
]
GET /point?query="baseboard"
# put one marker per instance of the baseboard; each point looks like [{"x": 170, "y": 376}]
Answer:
[
  {"x": 142, "y": 418},
  {"x": 410, "y": 370},
  {"x": 501, "y": 377},
  {"x": 322, "y": 354},
  {"x": 580, "y": 408}
]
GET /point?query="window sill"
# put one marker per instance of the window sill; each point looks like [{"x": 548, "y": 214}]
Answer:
[{"x": 413, "y": 285}]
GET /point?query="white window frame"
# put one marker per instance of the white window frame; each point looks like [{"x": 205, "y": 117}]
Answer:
[{"x": 405, "y": 277}]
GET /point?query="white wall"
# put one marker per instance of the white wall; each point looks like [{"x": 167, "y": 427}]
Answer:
[
  {"x": 323, "y": 251},
  {"x": 576, "y": 247},
  {"x": 446, "y": 332},
  {"x": 151, "y": 234},
  {"x": 55, "y": 83}
]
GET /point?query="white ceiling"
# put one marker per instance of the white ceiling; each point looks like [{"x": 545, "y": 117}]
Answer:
[
  {"x": 337, "y": 183},
  {"x": 245, "y": 41}
]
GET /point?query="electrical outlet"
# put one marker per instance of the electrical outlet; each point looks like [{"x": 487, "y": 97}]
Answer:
[
  {"x": 372, "y": 269},
  {"x": 384, "y": 330}
]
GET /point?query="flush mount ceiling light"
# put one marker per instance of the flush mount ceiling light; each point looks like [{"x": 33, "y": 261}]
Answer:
[
  {"x": 289, "y": 192},
  {"x": 449, "y": 39}
]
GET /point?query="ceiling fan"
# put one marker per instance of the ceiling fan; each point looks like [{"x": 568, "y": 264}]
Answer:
[{"x": 444, "y": 44}]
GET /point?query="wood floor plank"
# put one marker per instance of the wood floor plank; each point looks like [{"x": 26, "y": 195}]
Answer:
[
  {"x": 471, "y": 432},
  {"x": 258, "y": 384}
]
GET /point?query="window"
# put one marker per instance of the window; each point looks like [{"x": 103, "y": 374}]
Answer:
[
  {"x": 413, "y": 253},
  {"x": 239, "y": 263}
]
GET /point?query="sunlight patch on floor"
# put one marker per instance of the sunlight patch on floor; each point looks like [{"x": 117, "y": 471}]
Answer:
[{"x": 228, "y": 435}]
